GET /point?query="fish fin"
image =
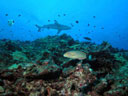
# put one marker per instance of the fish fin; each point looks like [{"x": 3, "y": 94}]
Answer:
[
  {"x": 39, "y": 27},
  {"x": 58, "y": 31},
  {"x": 56, "y": 22}
]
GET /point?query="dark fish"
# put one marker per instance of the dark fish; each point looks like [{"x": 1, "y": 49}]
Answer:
[
  {"x": 88, "y": 24},
  {"x": 88, "y": 32},
  {"x": 94, "y": 26},
  {"x": 77, "y": 21},
  {"x": 29, "y": 30},
  {"x": 94, "y": 16},
  {"x": 102, "y": 27},
  {"x": 19, "y": 15},
  {"x": 87, "y": 38},
  {"x": 6, "y": 14},
  {"x": 64, "y": 14},
  {"x": 48, "y": 20}
]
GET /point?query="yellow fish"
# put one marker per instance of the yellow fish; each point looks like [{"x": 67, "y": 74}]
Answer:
[
  {"x": 75, "y": 55},
  {"x": 10, "y": 22}
]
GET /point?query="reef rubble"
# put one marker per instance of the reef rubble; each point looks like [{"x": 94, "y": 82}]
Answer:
[{"x": 38, "y": 68}]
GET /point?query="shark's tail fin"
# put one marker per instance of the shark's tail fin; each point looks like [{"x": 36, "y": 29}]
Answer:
[{"x": 39, "y": 27}]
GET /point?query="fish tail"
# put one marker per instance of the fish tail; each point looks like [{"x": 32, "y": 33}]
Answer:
[{"x": 39, "y": 27}]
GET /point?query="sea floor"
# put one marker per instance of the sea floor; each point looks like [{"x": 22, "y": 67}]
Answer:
[{"x": 38, "y": 68}]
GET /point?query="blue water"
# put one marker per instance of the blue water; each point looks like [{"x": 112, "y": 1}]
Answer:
[{"x": 112, "y": 15}]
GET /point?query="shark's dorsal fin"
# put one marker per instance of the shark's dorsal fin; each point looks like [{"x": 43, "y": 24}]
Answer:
[{"x": 56, "y": 22}]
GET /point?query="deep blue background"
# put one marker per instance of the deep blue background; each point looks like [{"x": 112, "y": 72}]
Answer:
[{"x": 110, "y": 14}]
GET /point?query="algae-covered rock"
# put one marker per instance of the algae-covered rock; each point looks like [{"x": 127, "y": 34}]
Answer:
[
  {"x": 19, "y": 56},
  {"x": 119, "y": 56},
  {"x": 23, "y": 65},
  {"x": 1, "y": 89},
  {"x": 14, "y": 66}
]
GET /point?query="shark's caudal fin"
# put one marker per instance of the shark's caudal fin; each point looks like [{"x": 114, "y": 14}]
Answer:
[{"x": 39, "y": 27}]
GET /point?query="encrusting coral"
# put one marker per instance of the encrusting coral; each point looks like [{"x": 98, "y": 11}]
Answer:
[{"x": 38, "y": 68}]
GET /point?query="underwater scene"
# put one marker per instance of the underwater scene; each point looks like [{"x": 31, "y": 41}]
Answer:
[{"x": 63, "y": 47}]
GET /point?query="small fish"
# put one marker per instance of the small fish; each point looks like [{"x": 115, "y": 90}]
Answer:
[
  {"x": 94, "y": 26},
  {"x": 90, "y": 57},
  {"x": 64, "y": 14},
  {"x": 77, "y": 21},
  {"x": 48, "y": 20},
  {"x": 11, "y": 22},
  {"x": 87, "y": 38},
  {"x": 29, "y": 30},
  {"x": 102, "y": 27},
  {"x": 88, "y": 32},
  {"x": 19, "y": 15},
  {"x": 94, "y": 16},
  {"x": 75, "y": 55},
  {"x": 6, "y": 14},
  {"x": 88, "y": 24}
]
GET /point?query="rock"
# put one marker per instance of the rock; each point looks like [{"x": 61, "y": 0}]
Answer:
[{"x": 1, "y": 89}]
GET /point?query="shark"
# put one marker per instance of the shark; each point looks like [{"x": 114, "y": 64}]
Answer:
[{"x": 56, "y": 25}]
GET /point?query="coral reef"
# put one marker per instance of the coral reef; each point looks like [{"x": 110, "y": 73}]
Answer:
[{"x": 38, "y": 68}]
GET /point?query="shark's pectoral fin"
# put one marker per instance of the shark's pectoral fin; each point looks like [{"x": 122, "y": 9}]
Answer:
[{"x": 58, "y": 31}]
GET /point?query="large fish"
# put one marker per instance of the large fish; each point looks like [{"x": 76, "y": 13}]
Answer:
[
  {"x": 56, "y": 26},
  {"x": 75, "y": 55}
]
